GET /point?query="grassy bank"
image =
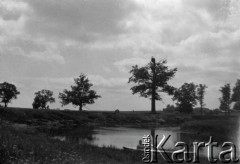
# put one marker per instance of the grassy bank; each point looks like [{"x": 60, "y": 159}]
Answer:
[
  {"x": 23, "y": 137},
  {"x": 223, "y": 127},
  {"x": 25, "y": 145},
  {"x": 56, "y": 119}
]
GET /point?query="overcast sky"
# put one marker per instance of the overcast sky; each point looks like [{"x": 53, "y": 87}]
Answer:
[{"x": 44, "y": 44}]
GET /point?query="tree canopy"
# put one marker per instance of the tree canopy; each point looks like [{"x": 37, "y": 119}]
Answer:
[
  {"x": 80, "y": 93},
  {"x": 42, "y": 98},
  {"x": 8, "y": 92},
  {"x": 186, "y": 97},
  {"x": 152, "y": 79}
]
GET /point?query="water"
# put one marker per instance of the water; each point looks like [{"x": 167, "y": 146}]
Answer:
[
  {"x": 128, "y": 137},
  {"x": 120, "y": 137}
]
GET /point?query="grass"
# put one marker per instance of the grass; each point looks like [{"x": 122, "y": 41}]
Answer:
[
  {"x": 223, "y": 127},
  {"x": 29, "y": 146},
  {"x": 24, "y": 134},
  {"x": 56, "y": 119},
  {"x": 26, "y": 146}
]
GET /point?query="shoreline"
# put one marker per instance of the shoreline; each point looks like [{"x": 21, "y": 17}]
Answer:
[{"x": 23, "y": 136}]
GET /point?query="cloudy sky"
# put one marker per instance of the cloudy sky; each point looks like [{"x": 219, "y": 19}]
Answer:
[{"x": 44, "y": 44}]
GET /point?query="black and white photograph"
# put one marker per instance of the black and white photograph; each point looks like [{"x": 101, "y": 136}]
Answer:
[{"x": 119, "y": 81}]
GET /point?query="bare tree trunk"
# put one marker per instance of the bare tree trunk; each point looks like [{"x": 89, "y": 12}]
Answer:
[
  {"x": 229, "y": 110},
  {"x": 80, "y": 107},
  {"x": 153, "y": 110},
  {"x": 5, "y": 104}
]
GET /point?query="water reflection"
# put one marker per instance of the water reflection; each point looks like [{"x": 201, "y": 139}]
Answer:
[
  {"x": 119, "y": 137},
  {"x": 129, "y": 137},
  {"x": 77, "y": 135}
]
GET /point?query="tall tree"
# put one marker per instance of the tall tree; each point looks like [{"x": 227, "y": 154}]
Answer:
[
  {"x": 42, "y": 98},
  {"x": 201, "y": 89},
  {"x": 8, "y": 92},
  {"x": 80, "y": 93},
  {"x": 225, "y": 100},
  {"x": 152, "y": 79},
  {"x": 186, "y": 97},
  {"x": 236, "y": 95}
]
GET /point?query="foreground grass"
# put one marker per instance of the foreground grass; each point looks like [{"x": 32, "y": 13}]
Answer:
[{"x": 26, "y": 145}]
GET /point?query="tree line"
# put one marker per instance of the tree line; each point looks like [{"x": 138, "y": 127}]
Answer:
[
  {"x": 79, "y": 94},
  {"x": 148, "y": 81}
]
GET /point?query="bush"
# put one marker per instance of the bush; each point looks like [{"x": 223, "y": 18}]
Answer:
[{"x": 117, "y": 111}]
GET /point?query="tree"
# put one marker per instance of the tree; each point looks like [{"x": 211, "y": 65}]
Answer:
[
  {"x": 8, "y": 92},
  {"x": 236, "y": 92},
  {"x": 42, "y": 98},
  {"x": 186, "y": 97},
  {"x": 225, "y": 100},
  {"x": 236, "y": 95},
  {"x": 170, "y": 108},
  {"x": 80, "y": 93},
  {"x": 237, "y": 106},
  {"x": 152, "y": 79},
  {"x": 201, "y": 93}
]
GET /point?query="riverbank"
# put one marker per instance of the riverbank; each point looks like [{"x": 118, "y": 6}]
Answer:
[
  {"x": 224, "y": 128},
  {"x": 55, "y": 119},
  {"x": 23, "y": 144},
  {"x": 24, "y": 134}
]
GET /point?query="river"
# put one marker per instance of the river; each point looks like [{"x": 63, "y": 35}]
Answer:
[{"x": 120, "y": 137}]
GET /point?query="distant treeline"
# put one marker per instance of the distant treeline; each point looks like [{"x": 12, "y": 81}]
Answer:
[{"x": 150, "y": 80}]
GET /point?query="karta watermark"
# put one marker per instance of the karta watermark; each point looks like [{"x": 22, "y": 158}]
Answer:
[{"x": 152, "y": 148}]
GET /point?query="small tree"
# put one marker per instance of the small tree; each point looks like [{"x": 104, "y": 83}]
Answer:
[
  {"x": 225, "y": 100},
  {"x": 236, "y": 95},
  {"x": 8, "y": 92},
  {"x": 42, "y": 98},
  {"x": 201, "y": 93},
  {"x": 152, "y": 79},
  {"x": 170, "y": 108},
  {"x": 236, "y": 92},
  {"x": 186, "y": 97},
  {"x": 237, "y": 106},
  {"x": 80, "y": 93}
]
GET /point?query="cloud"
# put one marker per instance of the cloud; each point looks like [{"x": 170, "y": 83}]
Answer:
[
  {"x": 11, "y": 10},
  {"x": 32, "y": 49},
  {"x": 100, "y": 81},
  {"x": 78, "y": 20},
  {"x": 16, "y": 41},
  {"x": 126, "y": 64},
  {"x": 219, "y": 9}
]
